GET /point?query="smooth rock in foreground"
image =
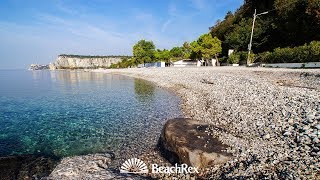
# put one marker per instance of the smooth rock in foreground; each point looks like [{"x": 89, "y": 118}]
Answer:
[
  {"x": 186, "y": 141},
  {"x": 91, "y": 166}
]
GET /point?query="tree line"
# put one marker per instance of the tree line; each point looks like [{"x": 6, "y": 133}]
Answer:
[
  {"x": 92, "y": 56},
  {"x": 288, "y": 24},
  {"x": 205, "y": 47}
]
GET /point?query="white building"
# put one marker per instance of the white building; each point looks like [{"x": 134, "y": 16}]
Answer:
[
  {"x": 154, "y": 64},
  {"x": 186, "y": 63}
]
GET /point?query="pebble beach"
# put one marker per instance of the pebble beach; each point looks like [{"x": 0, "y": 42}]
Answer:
[{"x": 269, "y": 118}]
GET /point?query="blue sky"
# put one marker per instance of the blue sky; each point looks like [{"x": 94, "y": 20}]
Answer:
[{"x": 36, "y": 31}]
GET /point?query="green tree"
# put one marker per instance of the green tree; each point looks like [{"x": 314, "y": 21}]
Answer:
[
  {"x": 144, "y": 52},
  {"x": 210, "y": 46},
  {"x": 163, "y": 55},
  {"x": 223, "y": 27},
  {"x": 176, "y": 53},
  {"x": 314, "y": 9},
  {"x": 195, "y": 50},
  {"x": 206, "y": 47},
  {"x": 239, "y": 38},
  {"x": 186, "y": 48},
  {"x": 288, "y": 23}
]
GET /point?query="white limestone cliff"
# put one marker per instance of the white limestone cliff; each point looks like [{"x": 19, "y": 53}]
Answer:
[{"x": 83, "y": 62}]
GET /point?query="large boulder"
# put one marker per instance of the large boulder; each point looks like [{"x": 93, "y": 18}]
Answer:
[{"x": 187, "y": 141}]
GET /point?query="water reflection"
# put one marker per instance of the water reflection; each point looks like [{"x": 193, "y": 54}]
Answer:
[
  {"x": 76, "y": 77},
  {"x": 65, "y": 113},
  {"x": 144, "y": 90},
  {"x": 71, "y": 80}
]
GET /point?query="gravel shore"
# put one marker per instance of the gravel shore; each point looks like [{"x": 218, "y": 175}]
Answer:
[{"x": 270, "y": 117}]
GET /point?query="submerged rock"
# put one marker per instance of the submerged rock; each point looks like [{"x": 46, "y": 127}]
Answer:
[
  {"x": 186, "y": 141},
  {"x": 26, "y": 166}
]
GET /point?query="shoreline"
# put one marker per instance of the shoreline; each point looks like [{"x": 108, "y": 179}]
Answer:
[
  {"x": 262, "y": 109},
  {"x": 123, "y": 145}
]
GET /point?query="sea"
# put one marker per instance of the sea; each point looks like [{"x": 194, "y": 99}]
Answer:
[{"x": 72, "y": 112}]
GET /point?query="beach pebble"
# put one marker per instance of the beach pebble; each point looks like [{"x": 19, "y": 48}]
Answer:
[{"x": 261, "y": 119}]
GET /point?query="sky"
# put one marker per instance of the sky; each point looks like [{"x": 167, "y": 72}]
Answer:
[{"x": 37, "y": 31}]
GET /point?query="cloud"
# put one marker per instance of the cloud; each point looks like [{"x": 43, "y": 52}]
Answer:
[
  {"x": 53, "y": 35},
  {"x": 165, "y": 25},
  {"x": 51, "y": 19},
  {"x": 66, "y": 9},
  {"x": 172, "y": 9},
  {"x": 199, "y": 4},
  {"x": 144, "y": 17},
  {"x": 79, "y": 28}
]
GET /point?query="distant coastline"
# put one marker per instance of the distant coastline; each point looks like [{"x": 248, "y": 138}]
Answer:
[
  {"x": 93, "y": 56},
  {"x": 71, "y": 61}
]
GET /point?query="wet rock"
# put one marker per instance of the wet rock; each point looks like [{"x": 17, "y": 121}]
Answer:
[
  {"x": 187, "y": 141},
  {"x": 26, "y": 166}
]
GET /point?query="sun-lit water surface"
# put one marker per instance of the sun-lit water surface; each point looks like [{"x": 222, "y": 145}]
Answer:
[{"x": 65, "y": 113}]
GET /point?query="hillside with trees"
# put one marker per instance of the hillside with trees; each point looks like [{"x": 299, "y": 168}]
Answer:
[
  {"x": 288, "y": 23},
  {"x": 287, "y": 31}
]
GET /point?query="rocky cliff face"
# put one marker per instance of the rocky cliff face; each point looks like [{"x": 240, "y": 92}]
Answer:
[{"x": 87, "y": 62}]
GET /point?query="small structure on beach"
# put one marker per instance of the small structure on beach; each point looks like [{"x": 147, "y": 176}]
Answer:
[
  {"x": 154, "y": 64},
  {"x": 186, "y": 63},
  {"x": 195, "y": 63}
]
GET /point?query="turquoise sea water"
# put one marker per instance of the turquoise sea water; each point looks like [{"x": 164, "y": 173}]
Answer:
[{"x": 64, "y": 113}]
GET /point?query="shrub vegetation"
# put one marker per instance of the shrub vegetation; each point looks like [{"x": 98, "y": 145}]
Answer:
[
  {"x": 301, "y": 54},
  {"x": 234, "y": 58}
]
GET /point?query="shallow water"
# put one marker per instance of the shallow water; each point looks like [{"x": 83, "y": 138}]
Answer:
[{"x": 64, "y": 113}]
